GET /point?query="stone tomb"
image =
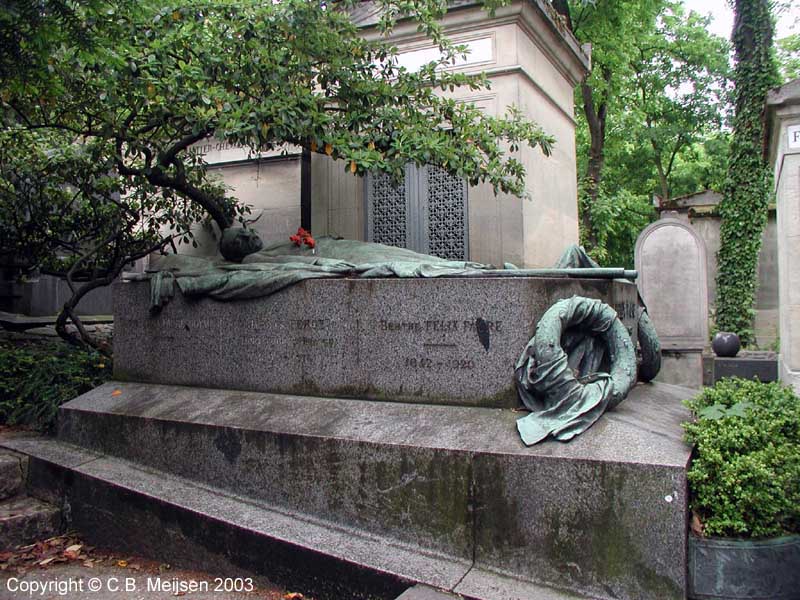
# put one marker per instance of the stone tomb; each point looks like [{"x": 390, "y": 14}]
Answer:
[
  {"x": 437, "y": 341},
  {"x": 783, "y": 115},
  {"x": 355, "y": 498}
]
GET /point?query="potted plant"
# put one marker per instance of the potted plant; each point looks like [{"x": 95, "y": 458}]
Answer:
[{"x": 744, "y": 482}]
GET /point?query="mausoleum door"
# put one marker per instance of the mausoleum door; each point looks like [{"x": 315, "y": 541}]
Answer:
[{"x": 426, "y": 212}]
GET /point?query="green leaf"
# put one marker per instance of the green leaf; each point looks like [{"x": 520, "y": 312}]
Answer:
[{"x": 713, "y": 412}]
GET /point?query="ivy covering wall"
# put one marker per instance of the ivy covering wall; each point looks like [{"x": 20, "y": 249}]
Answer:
[{"x": 748, "y": 186}]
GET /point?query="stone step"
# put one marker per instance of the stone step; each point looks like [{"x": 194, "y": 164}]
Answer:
[
  {"x": 116, "y": 503},
  {"x": 20, "y": 322},
  {"x": 11, "y": 475},
  {"x": 603, "y": 516},
  {"x": 24, "y": 520},
  {"x": 424, "y": 592},
  {"x": 503, "y": 590}
]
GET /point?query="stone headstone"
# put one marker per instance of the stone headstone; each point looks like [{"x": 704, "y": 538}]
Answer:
[{"x": 671, "y": 259}]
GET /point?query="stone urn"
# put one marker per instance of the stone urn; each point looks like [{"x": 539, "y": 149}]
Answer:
[{"x": 726, "y": 344}]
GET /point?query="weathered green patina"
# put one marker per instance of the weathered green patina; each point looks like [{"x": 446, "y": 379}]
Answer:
[
  {"x": 280, "y": 265},
  {"x": 580, "y": 362}
]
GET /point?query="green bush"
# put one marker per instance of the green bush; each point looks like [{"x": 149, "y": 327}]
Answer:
[
  {"x": 745, "y": 475},
  {"x": 35, "y": 380}
]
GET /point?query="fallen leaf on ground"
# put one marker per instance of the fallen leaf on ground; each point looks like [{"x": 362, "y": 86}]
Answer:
[{"x": 697, "y": 525}]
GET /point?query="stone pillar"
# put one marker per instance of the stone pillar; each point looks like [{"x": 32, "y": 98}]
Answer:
[{"x": 784, "y": 130}]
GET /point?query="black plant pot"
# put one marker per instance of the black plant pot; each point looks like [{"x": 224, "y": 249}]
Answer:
[
  {"x": 732, "y": 568},
  {"x": 726, "y": 344}
]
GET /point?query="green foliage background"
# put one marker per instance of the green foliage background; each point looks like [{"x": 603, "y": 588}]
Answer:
[
  {"x": 748, "y": 186},
  {"x": 658, "y": 97},
  {"x": 36, "y": 379}
]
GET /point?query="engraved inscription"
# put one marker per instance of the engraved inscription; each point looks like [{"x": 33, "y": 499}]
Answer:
[
  {"x": 431, "y": 364},
  {"x": 441, "y": 326},
  {"x": 438, "y": 326},
  {"x": 309, "y": 324},
  {"x": 317, "y": 343},
  {"x": 403, "y": 326}
]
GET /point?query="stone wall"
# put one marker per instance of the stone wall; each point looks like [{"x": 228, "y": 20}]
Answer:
[
  {"x": 270, "y": 185},
  {"x": 784, "y": 119}
]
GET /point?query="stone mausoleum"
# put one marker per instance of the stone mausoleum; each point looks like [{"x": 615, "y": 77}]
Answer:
[
  {"x": 784, "y": 118},
  {"x": 532, "y": 62}
]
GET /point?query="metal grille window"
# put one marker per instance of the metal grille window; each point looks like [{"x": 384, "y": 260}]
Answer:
[
  {"x": 426, "y": 212},
  {"x": 388, "y": 210}
]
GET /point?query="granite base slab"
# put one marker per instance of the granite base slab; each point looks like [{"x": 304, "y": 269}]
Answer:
[
  {"x": 25, "y": 520},
  {"x": 435, "y": 341},
  {"x": 760, "y": 365},
  {"x": 603, "y": 516},
  {"x": 11, "y": 471}
]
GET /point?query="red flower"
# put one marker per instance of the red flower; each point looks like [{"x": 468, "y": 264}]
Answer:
[{"x": 303, "y": 237}]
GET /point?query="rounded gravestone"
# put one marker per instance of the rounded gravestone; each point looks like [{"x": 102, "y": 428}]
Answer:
[{"x": 671, "y": 260}]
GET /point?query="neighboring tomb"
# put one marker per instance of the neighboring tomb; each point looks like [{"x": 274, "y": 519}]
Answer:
[
  {"x": 701, "y": 212},
  {"x": 671, "y": 260},
  {"x": 532, "y": 62},
  {"x": 784, "y": 116}
]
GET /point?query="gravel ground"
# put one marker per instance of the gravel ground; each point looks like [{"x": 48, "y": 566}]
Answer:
[{"x": 65, "y": 567}]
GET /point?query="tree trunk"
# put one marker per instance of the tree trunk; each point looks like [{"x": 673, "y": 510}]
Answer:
[
  {"x": 68, "y": 314},
  {"x": 596, "y": 120}
]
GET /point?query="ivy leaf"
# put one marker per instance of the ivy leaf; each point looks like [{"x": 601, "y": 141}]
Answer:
[
  {"x": 739, "y": 409},
  {"x": 713, "y": 412}
]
